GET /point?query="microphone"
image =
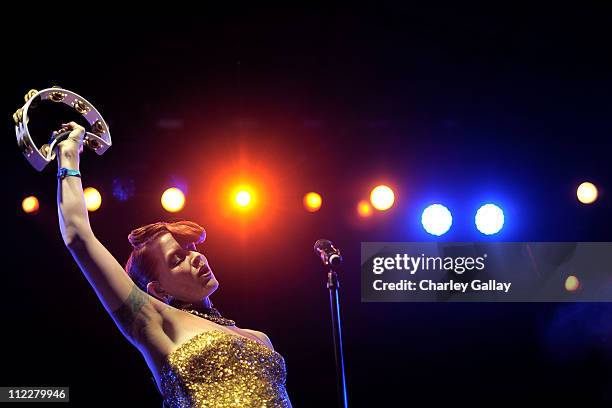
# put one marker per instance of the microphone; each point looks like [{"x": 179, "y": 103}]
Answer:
[{"x": 330, "y": 255}]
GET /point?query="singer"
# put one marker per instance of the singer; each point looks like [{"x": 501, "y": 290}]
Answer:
[{"x": 162, "y": 305}]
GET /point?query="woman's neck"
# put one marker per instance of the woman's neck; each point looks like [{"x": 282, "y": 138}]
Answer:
[{"x": 204, "y": 305}]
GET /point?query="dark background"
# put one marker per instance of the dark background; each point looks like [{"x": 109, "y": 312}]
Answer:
[{"x": 447, "y": 105}]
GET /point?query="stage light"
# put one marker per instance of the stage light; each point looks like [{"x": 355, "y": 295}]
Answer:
[
  {"x": 382, "y": 197},
  {"x": 243, "y": 198},
  {"x": 173, "y": 200},
  {"x": 436, "y": 219},
  {"x": 312, "y": 202},
  {"x": 364, "y": 209},
  {"x": 93, "y": 199},
  {"x": 489, "y": 219},
  {"x": 572, "y": 283},
  {"x": 30, "y": 205},
  {"x": 586, "y": 193}
]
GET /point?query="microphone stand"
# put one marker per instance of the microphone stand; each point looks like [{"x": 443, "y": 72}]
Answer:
[{"x": 333, "y": 284}]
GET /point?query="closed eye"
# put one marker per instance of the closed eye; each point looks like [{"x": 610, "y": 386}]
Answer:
[{"x": 178, "y": 258}]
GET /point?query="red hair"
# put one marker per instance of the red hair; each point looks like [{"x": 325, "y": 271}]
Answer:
[{"x": 140, "y": 265}]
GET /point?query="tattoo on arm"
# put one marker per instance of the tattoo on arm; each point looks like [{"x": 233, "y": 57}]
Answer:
[{"x": 128, "y": 312}]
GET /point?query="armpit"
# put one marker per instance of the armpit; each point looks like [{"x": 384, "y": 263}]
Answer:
[{"x": 135, "y": 313}]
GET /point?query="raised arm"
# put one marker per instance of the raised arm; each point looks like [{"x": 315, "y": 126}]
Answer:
[{"x": 133, "y": 310}]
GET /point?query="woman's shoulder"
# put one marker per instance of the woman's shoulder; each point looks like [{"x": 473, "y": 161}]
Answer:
[{"x": 261, "y": 336}]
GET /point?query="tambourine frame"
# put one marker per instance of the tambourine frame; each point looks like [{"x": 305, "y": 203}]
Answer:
[{"x": 99, "y": 139}]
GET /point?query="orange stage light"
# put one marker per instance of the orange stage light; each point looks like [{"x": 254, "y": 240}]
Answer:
[
  {"x": 173, "y": 200},
  {"x": 364, "y": 209},
  {"x": 30, "y": 204},
  {"x": 312, "y": 202},
  {"x": 93, "y": 199},
  {"x": 382, "y": 197}
]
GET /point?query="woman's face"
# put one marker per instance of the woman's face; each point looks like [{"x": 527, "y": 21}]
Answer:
[{"x": 182, "y": 272}]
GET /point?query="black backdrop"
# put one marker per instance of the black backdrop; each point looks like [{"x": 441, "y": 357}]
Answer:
[{"x": 447, "y": 104}]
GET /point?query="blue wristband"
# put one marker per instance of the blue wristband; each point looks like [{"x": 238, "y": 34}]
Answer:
[{"x": 64, "y": 172}]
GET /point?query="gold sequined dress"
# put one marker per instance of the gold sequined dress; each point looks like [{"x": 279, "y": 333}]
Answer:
[{"x": 217, "y": 369}]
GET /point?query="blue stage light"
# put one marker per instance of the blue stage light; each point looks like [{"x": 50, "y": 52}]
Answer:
[
  {"x": 489, "y": 219},
  {"x": 436, "y": 219}
]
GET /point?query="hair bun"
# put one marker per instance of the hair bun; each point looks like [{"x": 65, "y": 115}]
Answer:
[{"x": 181, "y": 230}]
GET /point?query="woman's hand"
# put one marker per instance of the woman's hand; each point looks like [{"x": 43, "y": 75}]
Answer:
[{"x": 74, "y": 142}]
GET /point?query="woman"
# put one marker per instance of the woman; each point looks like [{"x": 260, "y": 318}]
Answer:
[{"x": 162, "y": 305}]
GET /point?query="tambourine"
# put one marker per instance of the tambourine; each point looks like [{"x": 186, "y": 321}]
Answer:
[{"x": 99, "y": 139}]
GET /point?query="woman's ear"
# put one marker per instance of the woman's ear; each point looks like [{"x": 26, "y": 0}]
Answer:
[{"x": 154, "y": 289}]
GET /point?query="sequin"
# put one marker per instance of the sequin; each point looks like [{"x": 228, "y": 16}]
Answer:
[{"x": 217, "y": 369}]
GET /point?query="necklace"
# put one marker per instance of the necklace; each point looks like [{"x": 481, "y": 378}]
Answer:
[{"x": 211, "y": 313}]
